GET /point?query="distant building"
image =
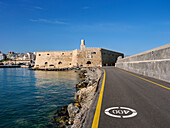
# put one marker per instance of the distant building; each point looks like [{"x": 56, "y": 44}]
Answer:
[
  {"x": 9, "y": 53},
  {"x": 85, "y": 57},
  {"x": 2, "y": 56},
  {"x": 31, "y": 56},
  {"x": 20, "y": 58},
  {"x": 12, "y": 55}
]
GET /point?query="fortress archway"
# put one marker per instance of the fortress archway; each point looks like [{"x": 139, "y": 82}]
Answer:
[{"x": 88, "y": 62}]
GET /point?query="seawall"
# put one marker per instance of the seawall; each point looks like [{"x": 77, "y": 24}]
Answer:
[
  {"x": 153, "y": 63},
  {"x": 9, "y": 66}
]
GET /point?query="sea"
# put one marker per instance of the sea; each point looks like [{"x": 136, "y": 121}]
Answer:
[{"x": 29, "y": 99}]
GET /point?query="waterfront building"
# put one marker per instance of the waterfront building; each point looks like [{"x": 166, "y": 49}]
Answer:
[
  {"x": 20, "y": 58},
  {"x": 12, "y": 55},
  {"x": 84, "y": 57},
  {"x": 2, "y": 56},
  {"x": 31, "y": 56}
]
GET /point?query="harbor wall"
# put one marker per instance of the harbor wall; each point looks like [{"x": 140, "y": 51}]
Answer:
[{"x": 153, "y": 63}]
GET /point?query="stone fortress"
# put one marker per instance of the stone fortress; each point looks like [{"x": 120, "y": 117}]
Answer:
[{"x": 84, "y": 57}]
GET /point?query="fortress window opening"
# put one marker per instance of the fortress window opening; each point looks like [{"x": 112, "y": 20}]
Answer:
[
  {"x": 93, "y": 53},
  {"x": 60, "y": 62}
]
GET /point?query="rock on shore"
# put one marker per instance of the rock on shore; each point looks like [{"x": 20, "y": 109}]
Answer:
[
  {"x": 85, "y": 95},
  {"x": 74, "y": 115}
]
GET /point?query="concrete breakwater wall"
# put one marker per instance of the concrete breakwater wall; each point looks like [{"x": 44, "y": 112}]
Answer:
[{"x": 153, "y": 63}]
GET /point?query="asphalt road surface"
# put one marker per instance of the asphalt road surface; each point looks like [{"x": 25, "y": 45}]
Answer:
[{"x": 149, "y": 101}]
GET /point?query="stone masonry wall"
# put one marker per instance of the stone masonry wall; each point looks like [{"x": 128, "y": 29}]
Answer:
[
  {"x": 85, "y": 57},
  {"x": 62, "y": 59},
  {"x": 89, "y": 57},
  {"x": 154, "y": 63},
  {"x": 109, "y": 57}
]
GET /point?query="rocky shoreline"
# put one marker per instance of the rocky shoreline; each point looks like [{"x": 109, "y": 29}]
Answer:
[{"x": 74, "y": 115}]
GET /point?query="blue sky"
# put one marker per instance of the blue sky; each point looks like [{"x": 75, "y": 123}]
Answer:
[{"x": 128, "y": 26}]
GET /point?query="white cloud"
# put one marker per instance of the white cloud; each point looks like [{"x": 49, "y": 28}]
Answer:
[
  {"x": 104, "y": 27},
  {"x": 47, "y": 21},
  {"x": 39, "y": 8},
  {"x": 85, "y": 7}
]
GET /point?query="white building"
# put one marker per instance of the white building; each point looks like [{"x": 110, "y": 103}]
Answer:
[{"x": 2, "y": 56}]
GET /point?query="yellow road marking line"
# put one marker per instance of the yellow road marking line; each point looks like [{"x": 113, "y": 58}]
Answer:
[
  {"x": 99, "y": 104},
  {"x": 146, "y": 80}
]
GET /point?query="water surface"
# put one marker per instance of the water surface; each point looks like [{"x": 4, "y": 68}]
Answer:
[{"x": 29, "y": 98}]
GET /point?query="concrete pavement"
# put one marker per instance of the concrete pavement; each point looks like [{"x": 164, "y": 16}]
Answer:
[{"x": 146, "y": 101}]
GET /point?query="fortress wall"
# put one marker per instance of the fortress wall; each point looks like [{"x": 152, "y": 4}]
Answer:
[
  {"x": 61, "y": 59},
  {"x": 85, "y": 57},
  {"x": 109, "y": 57},
  {"x": 153, "y": 63},
  {"x": 89, "y": 57},
  {"x": 74, "y": 58}
]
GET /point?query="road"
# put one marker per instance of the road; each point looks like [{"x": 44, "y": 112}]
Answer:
[{"x": 150, "y": 101}]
